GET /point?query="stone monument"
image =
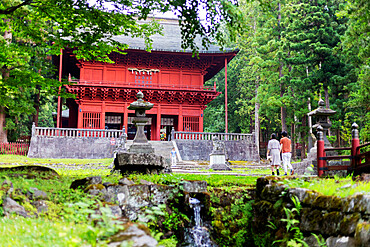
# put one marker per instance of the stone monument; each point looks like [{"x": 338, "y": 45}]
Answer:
[
  {"x": 140, "y": 157},
  {"x": 217, "y": 158}
]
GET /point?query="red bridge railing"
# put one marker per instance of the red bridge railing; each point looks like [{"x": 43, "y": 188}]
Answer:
[
  {"x": 16, "y": 148},
  {"x": 360, "y": 162}
]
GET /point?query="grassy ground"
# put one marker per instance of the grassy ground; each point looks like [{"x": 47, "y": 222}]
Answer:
[
  {"x": 336, "y": 186},
  {"x": 18, "y": 159}
]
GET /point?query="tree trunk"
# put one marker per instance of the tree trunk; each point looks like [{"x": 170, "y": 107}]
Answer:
[
  {"x": 327, "y": 105},
  {"x": 5, "y": 74},
  {"x": 282, "y": 86},
  {"x": 294, "y": 153},
  {"x": 37, "y": 106},
  {"x": 326, "y": 90},
  {"x": 256, "y": 118},
  {"x": 303, "y": 134},
  {"x": 3, "y": 132}
]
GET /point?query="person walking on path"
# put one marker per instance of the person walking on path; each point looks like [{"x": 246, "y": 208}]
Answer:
[
  {"x": 273, "y": 153},
  {"x": 173, "y": 157},
  {"x": 286, "y": 154}
]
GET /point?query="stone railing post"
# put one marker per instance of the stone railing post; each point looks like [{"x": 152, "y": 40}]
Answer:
[
  {"x": 172, "y": 134},
  {"x": 321, "y": 163},
  {"x": 355, "y": 144},
  {"x": 33, "y": 133}
]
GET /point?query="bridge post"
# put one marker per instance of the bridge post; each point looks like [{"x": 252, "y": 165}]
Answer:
[
  {"x": 321, "y": 163},
  {"x": 355, "y": 144}
]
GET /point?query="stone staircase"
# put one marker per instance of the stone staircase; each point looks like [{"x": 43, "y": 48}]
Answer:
[{"x": 162, "y": 148}]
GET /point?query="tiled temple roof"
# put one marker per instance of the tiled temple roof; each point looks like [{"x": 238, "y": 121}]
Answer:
[{"x": 170, "y": 41}]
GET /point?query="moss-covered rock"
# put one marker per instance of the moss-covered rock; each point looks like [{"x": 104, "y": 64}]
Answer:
[
  {"x": 83, "y": 183},
  {"x": 357, "y": 203},
  {"x": 362, "y": 235},
  {"x": 272, "y": 192},
  {"x": 331, "y": 222},
  {"x": 310, "y": 196},
  {"x": 311, "y": 220},
  {"x": 349, "y": 223},
  {"x": 333, "y": 203},
  {"x": 95, "y": 187},
  {"x": 134, "y": 234}
]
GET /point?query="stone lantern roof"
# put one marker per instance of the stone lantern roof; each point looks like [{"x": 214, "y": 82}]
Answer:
[{"x": 321, "y": 110}]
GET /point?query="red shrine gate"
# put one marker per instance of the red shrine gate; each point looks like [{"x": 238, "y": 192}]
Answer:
[{"x": 172, "y": 80}]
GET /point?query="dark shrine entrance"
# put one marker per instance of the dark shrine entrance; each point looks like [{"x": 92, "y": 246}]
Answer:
[
  {"x": 131, "y": 128},
  {"x": 113, "y": 120},
  {"x": 167, "y": 122}
]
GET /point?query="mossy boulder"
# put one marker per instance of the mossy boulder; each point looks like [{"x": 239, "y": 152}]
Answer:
[
  {"x": 362, "y": 235},
  {"x": 30, "y": 171},
  {"x": 349, "y": 223},
  {"x": 272, "y": 192},
  {"x": 357, "y": 203},
  {"x": 85, "y": 182},
  {"x": 311, "y": 220},
  {"x": 331, "y": 222},
  {"x": 332, "y": 203},
  {"x": 134, "y": 235}
]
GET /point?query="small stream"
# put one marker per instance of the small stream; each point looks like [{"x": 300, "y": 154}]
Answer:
[{"x": 198, "y": 235}]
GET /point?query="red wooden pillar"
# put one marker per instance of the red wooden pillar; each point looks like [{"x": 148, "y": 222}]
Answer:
[
  {"x": 201, "y": 121},
  {"x": 102, "y": 116},
  {"x": 226, "y": 127},
  {"x": 158, "y": 132},
  {"x": 355, "y": 144},
  {"x": 80, "y": 117},
  {"x": 180, "y": 122},
  {"x": 321, "y": 163},
  {"x": 59, "y": 111},
  {"x": 125, "y": 118}
]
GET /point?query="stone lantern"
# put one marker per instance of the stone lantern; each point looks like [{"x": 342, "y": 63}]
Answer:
[
  {"x": 140, "y": 143},
  {"x": 322, "y": 115},
  {"x": 140, "y": 156}
]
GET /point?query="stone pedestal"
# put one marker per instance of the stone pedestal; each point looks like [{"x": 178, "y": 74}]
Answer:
[
  {"x": 127, "y": 162},
  {"x": 218, "y": 162},
  {"x": 218, "y": 156}
]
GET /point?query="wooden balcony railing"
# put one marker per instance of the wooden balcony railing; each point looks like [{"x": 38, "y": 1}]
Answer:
[{"x": 144, "y": 85}]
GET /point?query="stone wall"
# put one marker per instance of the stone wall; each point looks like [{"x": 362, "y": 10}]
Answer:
[
  {"x": 71, "y": 148},
  {"x": 200, "y": 150},
  {"x": 341, "y": 221}
]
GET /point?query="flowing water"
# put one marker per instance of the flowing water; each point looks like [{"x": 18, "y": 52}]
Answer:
[{"x": 198, "y": 235}]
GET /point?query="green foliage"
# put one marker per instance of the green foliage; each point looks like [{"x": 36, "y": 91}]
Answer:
[
  {"x": 296, "y": 51},
  {"x": 231, "y": 223},
  {"x": 33, "y": 31},
  {"x": 294, "y": 236},
  {"x": 331, "y": 186},
  {"x": 214, "y": 180},
  {"x": 169, "y": 242},
  {"x": 320, "y": 240}
]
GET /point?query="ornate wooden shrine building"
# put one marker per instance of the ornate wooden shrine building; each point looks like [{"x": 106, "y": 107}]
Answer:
[{"x": 168, "y": 77}]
